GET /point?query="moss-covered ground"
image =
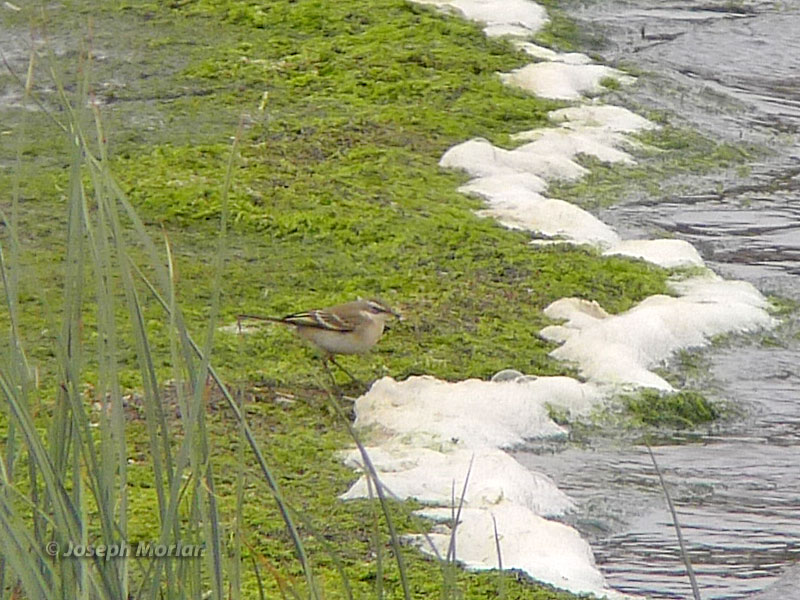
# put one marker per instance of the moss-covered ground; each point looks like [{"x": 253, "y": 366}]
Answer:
[{"x": 347, "y": 107}]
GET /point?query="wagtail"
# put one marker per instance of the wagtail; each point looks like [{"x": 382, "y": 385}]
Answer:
[{"x": 349, "y": 328}]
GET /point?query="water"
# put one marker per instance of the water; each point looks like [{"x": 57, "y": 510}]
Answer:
[{"x": 735, "y": 76}]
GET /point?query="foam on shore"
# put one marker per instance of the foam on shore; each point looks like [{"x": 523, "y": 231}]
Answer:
[{"x": 434, "y": 441}]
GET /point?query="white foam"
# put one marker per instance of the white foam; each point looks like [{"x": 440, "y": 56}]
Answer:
[
  {"x": 434, "y": 477},
  {"x": 517, "y": 207},
  {"x": 548, "y": 216},
  {"x": 480, "y": 158},
  {"x": 542, "y": 53},
  {"x": 424, "y": 436},
  {"x": 424, "y": 411},
  {"x": 621, "y": 349},
  {"x": 501, "y": 17},
  {"x": 549, "y": 551},
  {"x": 665, "y": 253},
  {"x": 590, "y": 141},
  {"x": 562, "y": 80},
  {"x": 513, "y": 181},
  {"x": 604, "y": 116}
]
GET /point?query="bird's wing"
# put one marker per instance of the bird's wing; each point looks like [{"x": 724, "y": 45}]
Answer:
[{"x": 321, "y": 319}]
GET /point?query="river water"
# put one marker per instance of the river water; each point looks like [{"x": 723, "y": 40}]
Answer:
[{"x": 734, "y": 74}]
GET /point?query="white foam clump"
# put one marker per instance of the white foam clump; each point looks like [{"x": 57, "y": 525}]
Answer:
[
  {"x": 519, "y": 209},
  {"x": 513, "y": 182},
  {"x": 425, "y": 411},
  {"x": 600, "y": 142},
  {"x": 564, "y": 76},
  {"x": 501, "y": 17},
  {"x": 563, "y": 80},
  {"x": 516, "y": 201},
  {"x": 481, "y": 158},
  {"x": 561, "y": 76},
  {"x": 621, "y": 349},
  {"x": 665, "y": 253},
  {"x": 430, "y": 476},
  {"x": 542, "y": 53},
  {"x": 528, "y": 542},
  {"x": 604, "y": 116},
  {"x": 424, "y": 436}
]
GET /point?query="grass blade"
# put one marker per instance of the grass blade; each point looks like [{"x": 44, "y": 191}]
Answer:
[
  {"x": 372, "y": 473},
  {"x": 684, "y": 553}
]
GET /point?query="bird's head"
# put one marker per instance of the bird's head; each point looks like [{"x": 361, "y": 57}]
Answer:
[{"x": 380, "y": 309}]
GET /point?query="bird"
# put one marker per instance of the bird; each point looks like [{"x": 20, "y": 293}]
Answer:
[{"x": 349, "y": 328}]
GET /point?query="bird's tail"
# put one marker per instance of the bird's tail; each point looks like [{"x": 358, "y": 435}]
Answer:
[
  {"x": 240, "y": 318},
  {"x": 260, "y": 318}
]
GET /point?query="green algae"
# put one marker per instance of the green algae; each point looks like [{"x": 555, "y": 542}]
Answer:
[
  {"x": 666, "y": 158},
  {"x": 675, "y": 410}
]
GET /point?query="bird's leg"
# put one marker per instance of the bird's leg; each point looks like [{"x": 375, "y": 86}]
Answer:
[
  {"x": 348, "y": 373},
  {"x": 325, "y": 358}
]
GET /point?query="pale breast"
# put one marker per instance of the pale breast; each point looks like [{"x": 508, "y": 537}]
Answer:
[{"x": 354, "y": 342}]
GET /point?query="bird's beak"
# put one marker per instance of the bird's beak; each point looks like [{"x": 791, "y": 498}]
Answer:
[{"x": 398, "y": 315}]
